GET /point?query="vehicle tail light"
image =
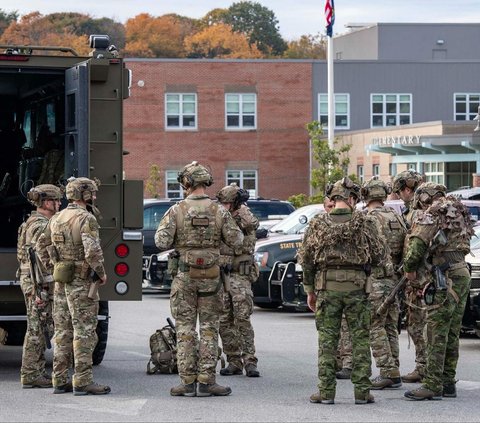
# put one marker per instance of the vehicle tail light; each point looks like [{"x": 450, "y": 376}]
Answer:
[
  {"x": 121, "y": 269},
  {"x": 122, "y": 250}
]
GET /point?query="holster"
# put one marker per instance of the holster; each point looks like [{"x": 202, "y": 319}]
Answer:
[{"x": 439, "y": 276}]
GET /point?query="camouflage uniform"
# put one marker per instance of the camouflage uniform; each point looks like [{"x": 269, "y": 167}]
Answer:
[
  {"x": 34, "y": 345},
  {"x": 444, "y": 315},
  {"x": 344, "y": 352},
  {"x": 415, "y": 307},
  {"x": 384, "y": 329},
  {"x": 194, "y": 227},
  {"x": 75, "y": 242},
  {"x": 236, "y": 328},
  {"x": 333, "y": 253}
]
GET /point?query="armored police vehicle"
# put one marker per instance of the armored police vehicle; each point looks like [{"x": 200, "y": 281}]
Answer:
[{"x": 61, "y": 116}]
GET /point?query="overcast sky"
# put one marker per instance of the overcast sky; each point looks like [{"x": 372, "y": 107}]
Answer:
[{"x": 296, "y": 17}]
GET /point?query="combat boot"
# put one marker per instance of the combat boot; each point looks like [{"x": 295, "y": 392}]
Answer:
[
  {"x": 364, "y": 398},
  {"x": 209, "y": 389},
  {"x": 449, "y": 390},
  {"x": 318, "y": 398},
  {"x": 40, "y": 382},
  {"x": 231, "y": 370},
  {"x": 423, "y": 393},
  {"x": 92, "y": 389},
  {"x": 251, "y": 370},
  {"x": 383, "y": 382},
  {"x": 182, "y": 390},
  {"x": 412, "y": 377},
  {"x": 344, "y": 373},
  {"x": 63, "y": 389}
]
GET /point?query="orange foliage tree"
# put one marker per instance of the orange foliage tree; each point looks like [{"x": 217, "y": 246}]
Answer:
[{"x": 219, "y": 41}]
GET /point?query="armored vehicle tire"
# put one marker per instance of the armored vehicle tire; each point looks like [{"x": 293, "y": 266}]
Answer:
[
  {"x": 16, "y": 332},
  {"x": 269, "y": 306},
  {"x": 102, "y": 333}
]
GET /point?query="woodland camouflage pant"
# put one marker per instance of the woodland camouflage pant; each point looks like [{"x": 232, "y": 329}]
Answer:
[
  {"x": 34, "y": 345},
  {"x": 328, "y": 316},
  {"x": 444, "y": 321},
  {"x": 236, "y": 328},
  {"x": 196, "y": 355},
  {"x": 344, "y": 352},
  {"x": 75, "y": 317}
]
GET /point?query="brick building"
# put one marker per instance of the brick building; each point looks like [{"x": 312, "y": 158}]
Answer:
[{"x": 243, "y": 118}]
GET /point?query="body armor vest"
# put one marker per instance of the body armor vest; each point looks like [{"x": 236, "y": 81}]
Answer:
[
  {"x": 66, "y": 236},
  {"x": 28, "y": 233},
  {"x": 199, "y": 225}
]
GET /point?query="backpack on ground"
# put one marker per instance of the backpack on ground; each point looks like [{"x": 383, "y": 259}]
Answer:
[{"x": 163, "y": 350}]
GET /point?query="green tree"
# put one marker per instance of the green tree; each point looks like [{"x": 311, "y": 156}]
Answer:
[
  {"x": 332, "y": 162},
  {"x": 153, "y": 184},
  {"x": 6, "y": 18},
  {"x": 259, "y": 24}
]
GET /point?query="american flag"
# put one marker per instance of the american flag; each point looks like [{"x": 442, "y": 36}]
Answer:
[{"x": 329, "y": 16}]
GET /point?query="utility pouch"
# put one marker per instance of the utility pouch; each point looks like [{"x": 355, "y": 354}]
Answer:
[
  {"x": 63, "y": 271},
  {"x": 200, "y": 259},
  {"x": 225, "y": 276},
  {"x": 439, "y": 277},
  {"x": 172, "y": 266},
  {"x": 321, "y": 280},
  {"x": 429, "y": 293},
  {"x": 211, "y": 272}
]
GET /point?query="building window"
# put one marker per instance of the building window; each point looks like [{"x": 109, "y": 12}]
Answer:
[
  {"x": 376, "y": 170},
  {"x": 459, "y": 174},
  {"x": 342, "y": 110},
  {"x": 360, "y": 173},
  {"x": 181, "y": 111},
  {"x": 391, "y": 109},
  {"x": 466, "y": 106},
  {"x": 434, "y": 172},
  {"x": 173, "y": 187},
  {"x": 241, "y": 111},
  {"x": 412, "y": 166},
  {"x": 246, "y": 179}
]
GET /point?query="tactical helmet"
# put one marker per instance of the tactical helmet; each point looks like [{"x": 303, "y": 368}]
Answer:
[
  {"x": 43, "y": 192},
  {"x": 375, "y": 189},
  {"x": 408, "y": 178},
  {"x": 81, "y": 189},
  {"x": 426, "y": 192},
  {"x": 343, "y": 189},
  {"x": 228, "y": 194},
  {"x": 194, "y": 174}
]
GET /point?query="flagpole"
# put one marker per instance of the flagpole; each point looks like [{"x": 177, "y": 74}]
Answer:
[{"x": 331, "y": 103}]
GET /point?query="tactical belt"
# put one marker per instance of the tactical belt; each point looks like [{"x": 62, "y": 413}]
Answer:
[
  {"x": 451, "y": 257},
  {"x": 341, "y": 267},
  {"x": 342, "y": 286}
]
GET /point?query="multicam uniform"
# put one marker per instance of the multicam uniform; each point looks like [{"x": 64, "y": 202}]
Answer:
[
  {"x": 34, "y": 345},
  {"x": 75, "y": 238},
  {"x": 236, "y": 328},
  {"x": 384, "y": 328},
  {"x": 194, "y": 227},
  {"x": 333, "y": 252},
  {"x": 416, "y": 314},
  {"x": 444, "y": 316}
]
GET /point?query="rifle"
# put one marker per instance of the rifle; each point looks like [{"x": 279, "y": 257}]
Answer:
[
  {"x": 92, "y": 292},
  {"x": 170, "y": 323},
  {"x": 391, "y": 297},
  {"x": 39, "y": 292}
]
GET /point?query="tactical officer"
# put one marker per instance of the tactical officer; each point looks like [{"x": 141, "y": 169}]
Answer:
[
  {"x": 384, "y": 331},
  {"x": 77, "y": 255},
  {"x": 36, "y": 285},
  {"x": 404, "y": 185},
  {"x": 236, "y": 328},
  {"x": 336, "y": 254},
  {"x": 194, "y": 227},
  {"x": 442, "y": 234}
]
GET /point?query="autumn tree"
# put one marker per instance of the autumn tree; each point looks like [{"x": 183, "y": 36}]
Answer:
[
  {"x": 153, "y": 183},
  {"x": 6, "y": 18},
  {"x": 307, "y": 47},
  {"x": 163, "y": 36},
  {"x": 219, "y": 41},
  {"x": 259, "y": 24}
]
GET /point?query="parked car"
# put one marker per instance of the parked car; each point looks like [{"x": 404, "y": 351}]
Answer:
[
  {"x": 471, "y": 317},
  {"x": 467, "y": 193},
  {"x": 153, "y": 211},
  {"x": 155, "y": 276}
]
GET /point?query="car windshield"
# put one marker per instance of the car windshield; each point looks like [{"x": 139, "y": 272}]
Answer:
[
  {"x": 153, "y": 215},
  {"x": 270, "y": 210},
  {"x": 475, "y": 241},
  {"x": 292, "y": 225}
]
